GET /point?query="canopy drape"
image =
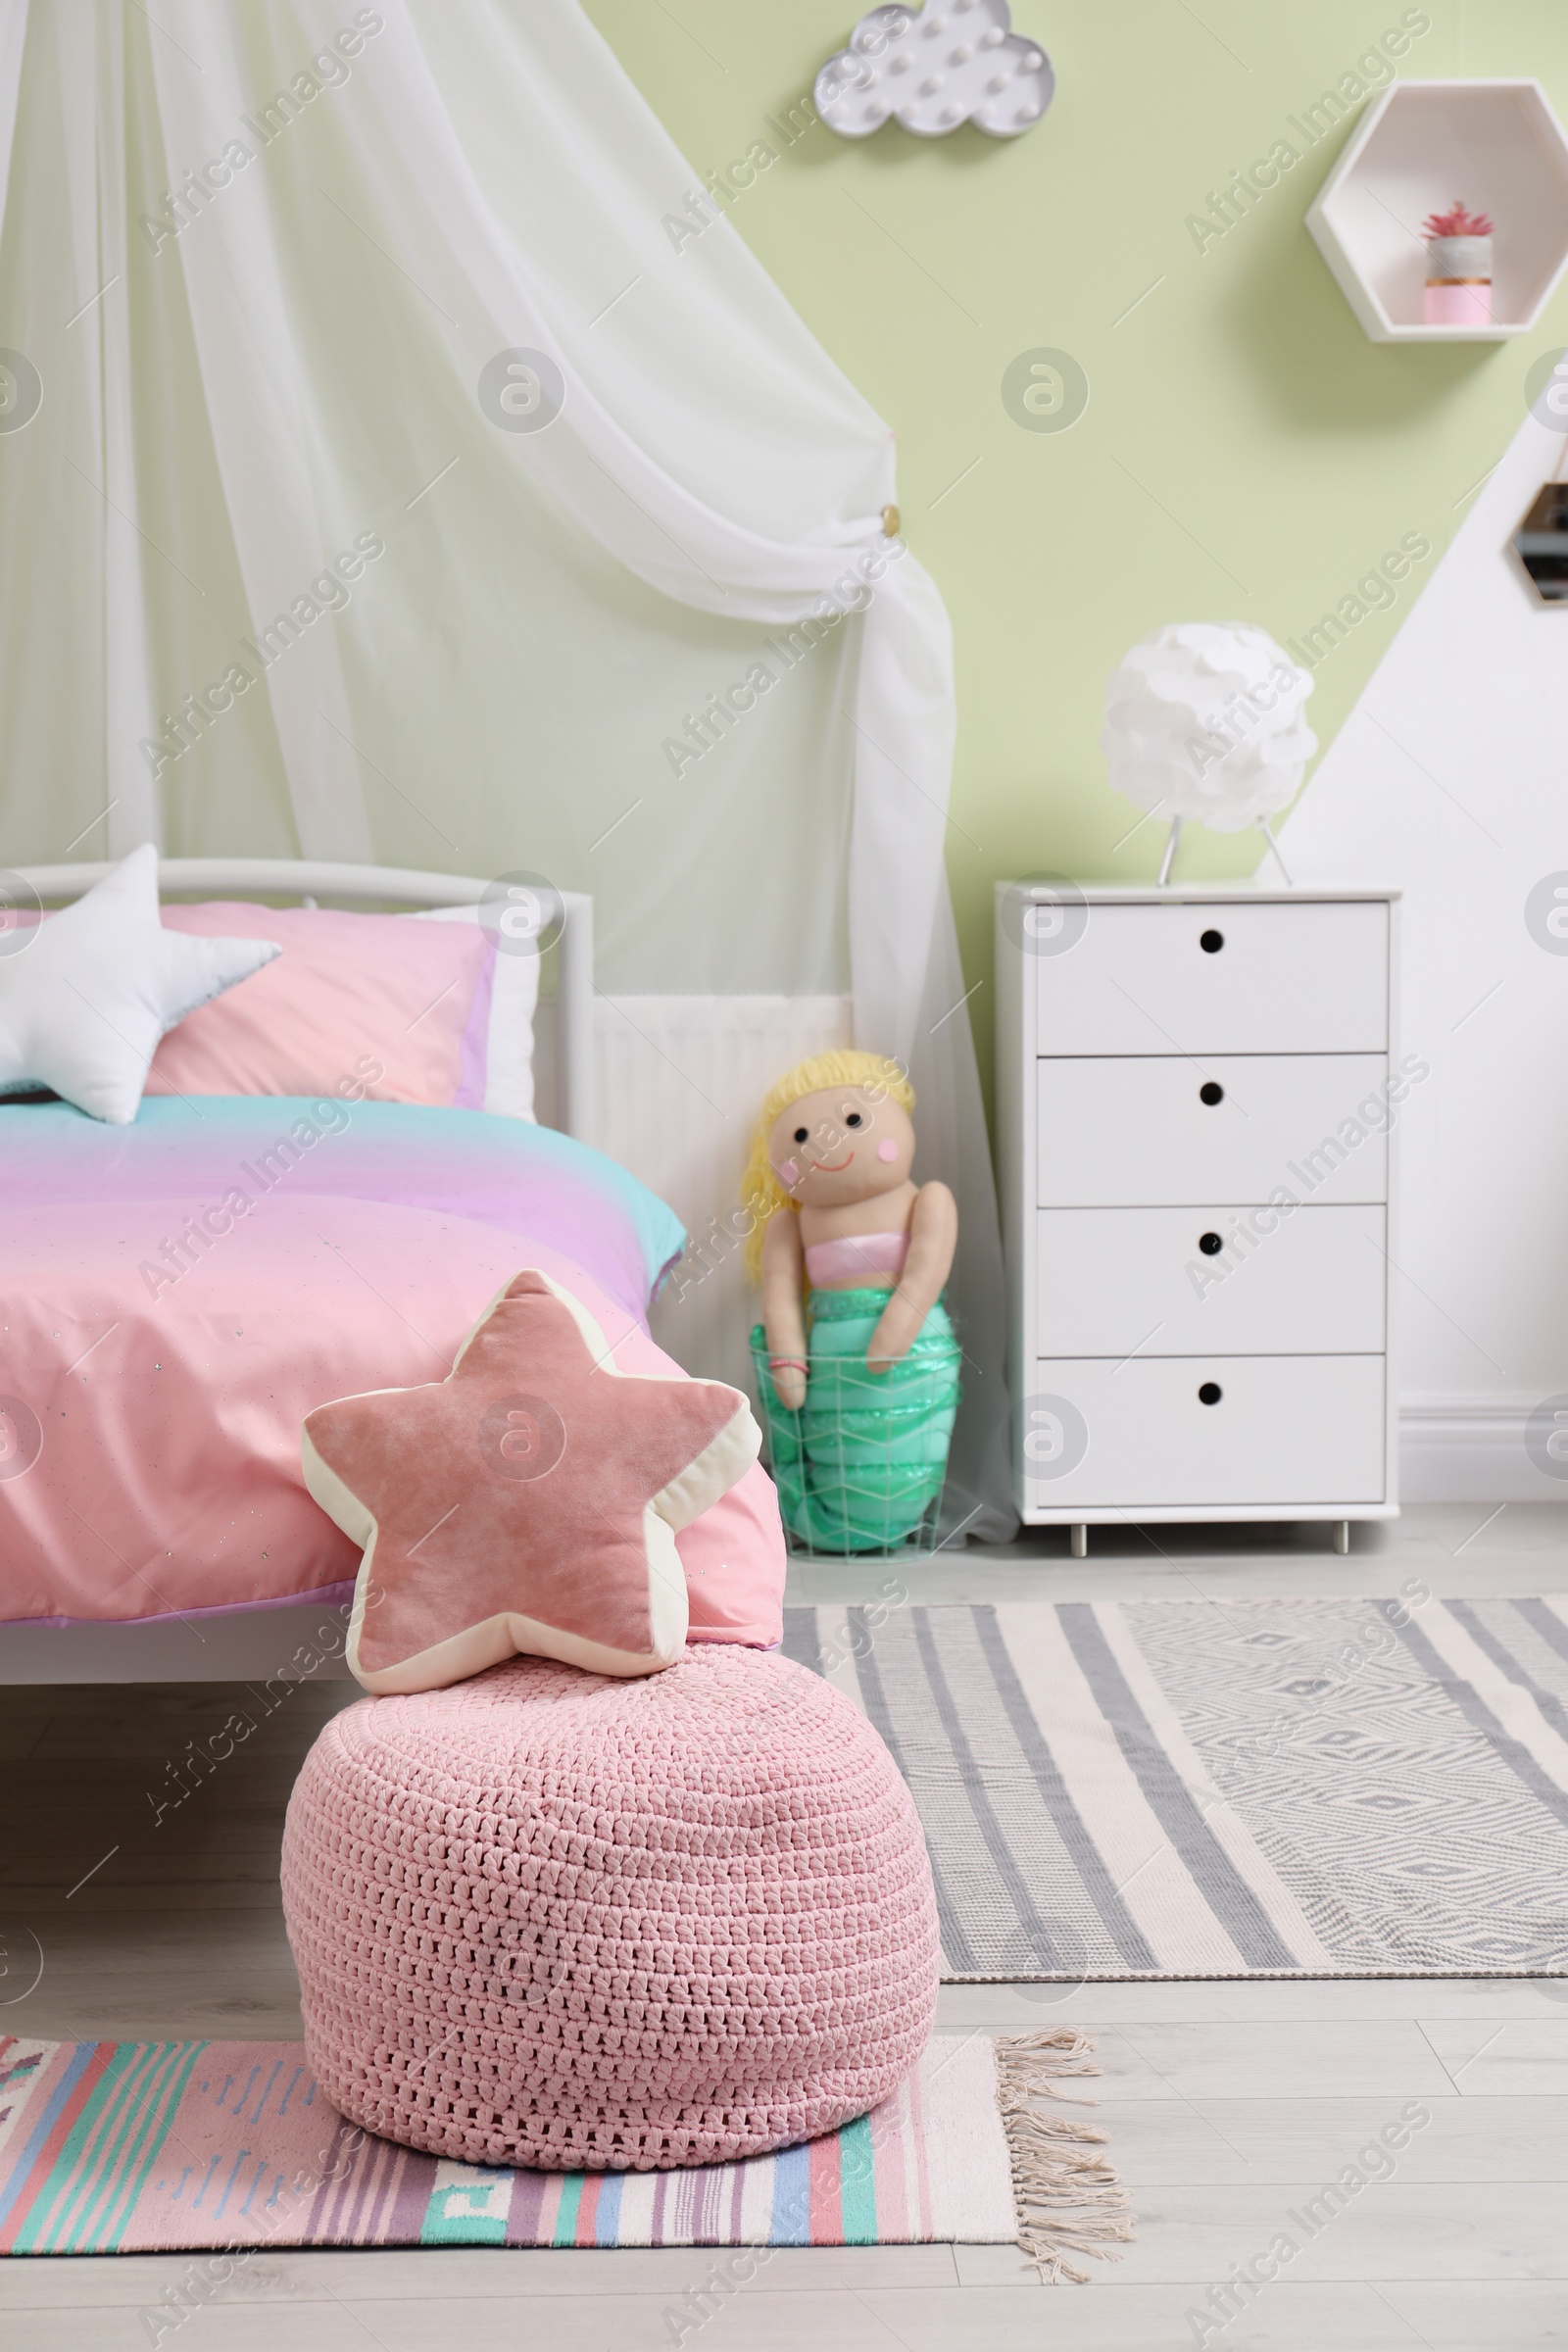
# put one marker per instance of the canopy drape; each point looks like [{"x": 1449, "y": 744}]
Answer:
[{"x": 420, "y": 477}]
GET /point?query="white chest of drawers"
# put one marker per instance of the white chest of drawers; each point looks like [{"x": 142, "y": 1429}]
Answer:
[{"x": 1196, "y": 1092}]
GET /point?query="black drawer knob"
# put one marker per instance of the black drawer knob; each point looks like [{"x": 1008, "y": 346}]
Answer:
[
  {"x": 1210, "y": 1094},
  {"x": 1211, "y": 942},
  {"x": 1210, "y": 1393},
  {"x": 1210, "y": 1244}
]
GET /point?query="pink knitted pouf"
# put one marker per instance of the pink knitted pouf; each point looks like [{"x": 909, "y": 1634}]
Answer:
[{"x": 552, "y": 1918}]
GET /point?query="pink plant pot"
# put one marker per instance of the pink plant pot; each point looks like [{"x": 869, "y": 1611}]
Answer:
[
  {"x": 1458, "y": 306},
  {"x": 1458, "y": 281}
]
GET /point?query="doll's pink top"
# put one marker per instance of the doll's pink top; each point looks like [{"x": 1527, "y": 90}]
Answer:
[{"x": 856, "y": 1257}]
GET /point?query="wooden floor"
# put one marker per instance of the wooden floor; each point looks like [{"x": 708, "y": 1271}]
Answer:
[{"x": 1229, "y": 2105}]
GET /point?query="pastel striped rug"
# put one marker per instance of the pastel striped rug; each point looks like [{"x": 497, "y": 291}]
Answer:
[
  {"x": 1227, "y": 1788},
  {"x": 128, "y": 2147}
]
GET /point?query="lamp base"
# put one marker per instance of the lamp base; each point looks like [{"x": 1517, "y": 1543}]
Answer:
[
  {"x": 1267, "y": 831},
  {"x": 1174, "y": 841}
]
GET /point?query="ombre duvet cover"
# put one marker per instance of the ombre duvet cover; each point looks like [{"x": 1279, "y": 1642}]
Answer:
[{"x": 175, "y": 1297}]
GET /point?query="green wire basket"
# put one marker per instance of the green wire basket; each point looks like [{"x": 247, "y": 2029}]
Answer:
[{"x": 860, "y": 1467}]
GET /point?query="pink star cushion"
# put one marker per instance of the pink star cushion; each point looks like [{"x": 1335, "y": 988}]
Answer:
[{"x": 527, "y": 1502}]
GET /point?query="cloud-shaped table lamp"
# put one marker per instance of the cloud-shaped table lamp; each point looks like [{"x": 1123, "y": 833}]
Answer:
[
  {"x": 951, "y": 62},
  {"x": 1203, "y": 719}
]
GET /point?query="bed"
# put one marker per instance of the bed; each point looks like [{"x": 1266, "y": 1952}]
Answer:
[{"x": 163, "y": 1530}]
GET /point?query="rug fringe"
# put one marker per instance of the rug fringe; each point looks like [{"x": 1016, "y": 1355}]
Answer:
[{"x": 1067, "y": 2199}]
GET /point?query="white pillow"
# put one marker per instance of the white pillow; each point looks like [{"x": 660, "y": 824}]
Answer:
[
  {"x": 86, "y": 997},
  {"x": 514, "y": 1003}
]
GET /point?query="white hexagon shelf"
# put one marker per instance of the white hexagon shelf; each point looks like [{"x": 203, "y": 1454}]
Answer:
[{"x": 1496, "y": 146}]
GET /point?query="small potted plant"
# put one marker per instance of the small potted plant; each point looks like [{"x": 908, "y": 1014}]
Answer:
[{"x": 1458, "y": 268}]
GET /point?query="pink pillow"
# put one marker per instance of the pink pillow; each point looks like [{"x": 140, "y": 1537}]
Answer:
[
  {"x": 400, "y": 1008},
  {"x": 527, "y": 1502}
]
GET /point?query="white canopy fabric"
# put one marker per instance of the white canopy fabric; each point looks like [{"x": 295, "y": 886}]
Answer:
[{"x": 411, "y": 483}]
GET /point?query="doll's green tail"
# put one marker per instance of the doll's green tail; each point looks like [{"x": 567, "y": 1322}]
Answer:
[{"x": 862, "y": 1465}]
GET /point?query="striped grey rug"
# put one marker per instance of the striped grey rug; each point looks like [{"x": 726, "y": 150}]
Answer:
[{"x": 1317, "y": 1788}]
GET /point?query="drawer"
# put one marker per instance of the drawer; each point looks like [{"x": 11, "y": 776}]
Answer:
[
  {"x": 1308, "y": 1281},
  {"x": 1306, "y": 1429},
  {"x": 1285, "y": 979},
  {"x": 1135, "y": 1132}
]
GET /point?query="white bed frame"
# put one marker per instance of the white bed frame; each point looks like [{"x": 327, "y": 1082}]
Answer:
[{"x": 247, "y": 1645}]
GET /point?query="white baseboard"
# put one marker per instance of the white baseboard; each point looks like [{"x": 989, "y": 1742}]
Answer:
[{"x": 1471, "y": 1450}]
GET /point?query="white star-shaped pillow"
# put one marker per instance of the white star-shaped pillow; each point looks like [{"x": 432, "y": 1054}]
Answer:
[{"x": 86, "y": 997}]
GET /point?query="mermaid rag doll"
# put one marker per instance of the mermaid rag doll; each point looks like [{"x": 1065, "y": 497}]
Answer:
[{"x": 858, "y": 1384}]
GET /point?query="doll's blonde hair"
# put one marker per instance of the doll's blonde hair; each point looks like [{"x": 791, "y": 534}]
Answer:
[{"x": 761, "y": 1192}]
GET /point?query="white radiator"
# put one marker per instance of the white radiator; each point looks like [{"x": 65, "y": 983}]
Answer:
[{"x": 680, "y": 1081}]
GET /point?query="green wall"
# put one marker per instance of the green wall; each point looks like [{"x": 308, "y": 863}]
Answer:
[{"x": 1245, "y": 453}]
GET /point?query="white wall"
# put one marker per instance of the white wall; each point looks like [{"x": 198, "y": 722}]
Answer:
[{"x": 1450, "y": 779}]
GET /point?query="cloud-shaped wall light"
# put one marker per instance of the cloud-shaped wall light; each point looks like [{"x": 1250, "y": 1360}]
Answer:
[{"x": 951, "y": 62}]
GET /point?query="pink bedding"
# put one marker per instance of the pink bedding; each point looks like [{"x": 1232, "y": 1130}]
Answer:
[{"x": 179, "y": 1294}]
